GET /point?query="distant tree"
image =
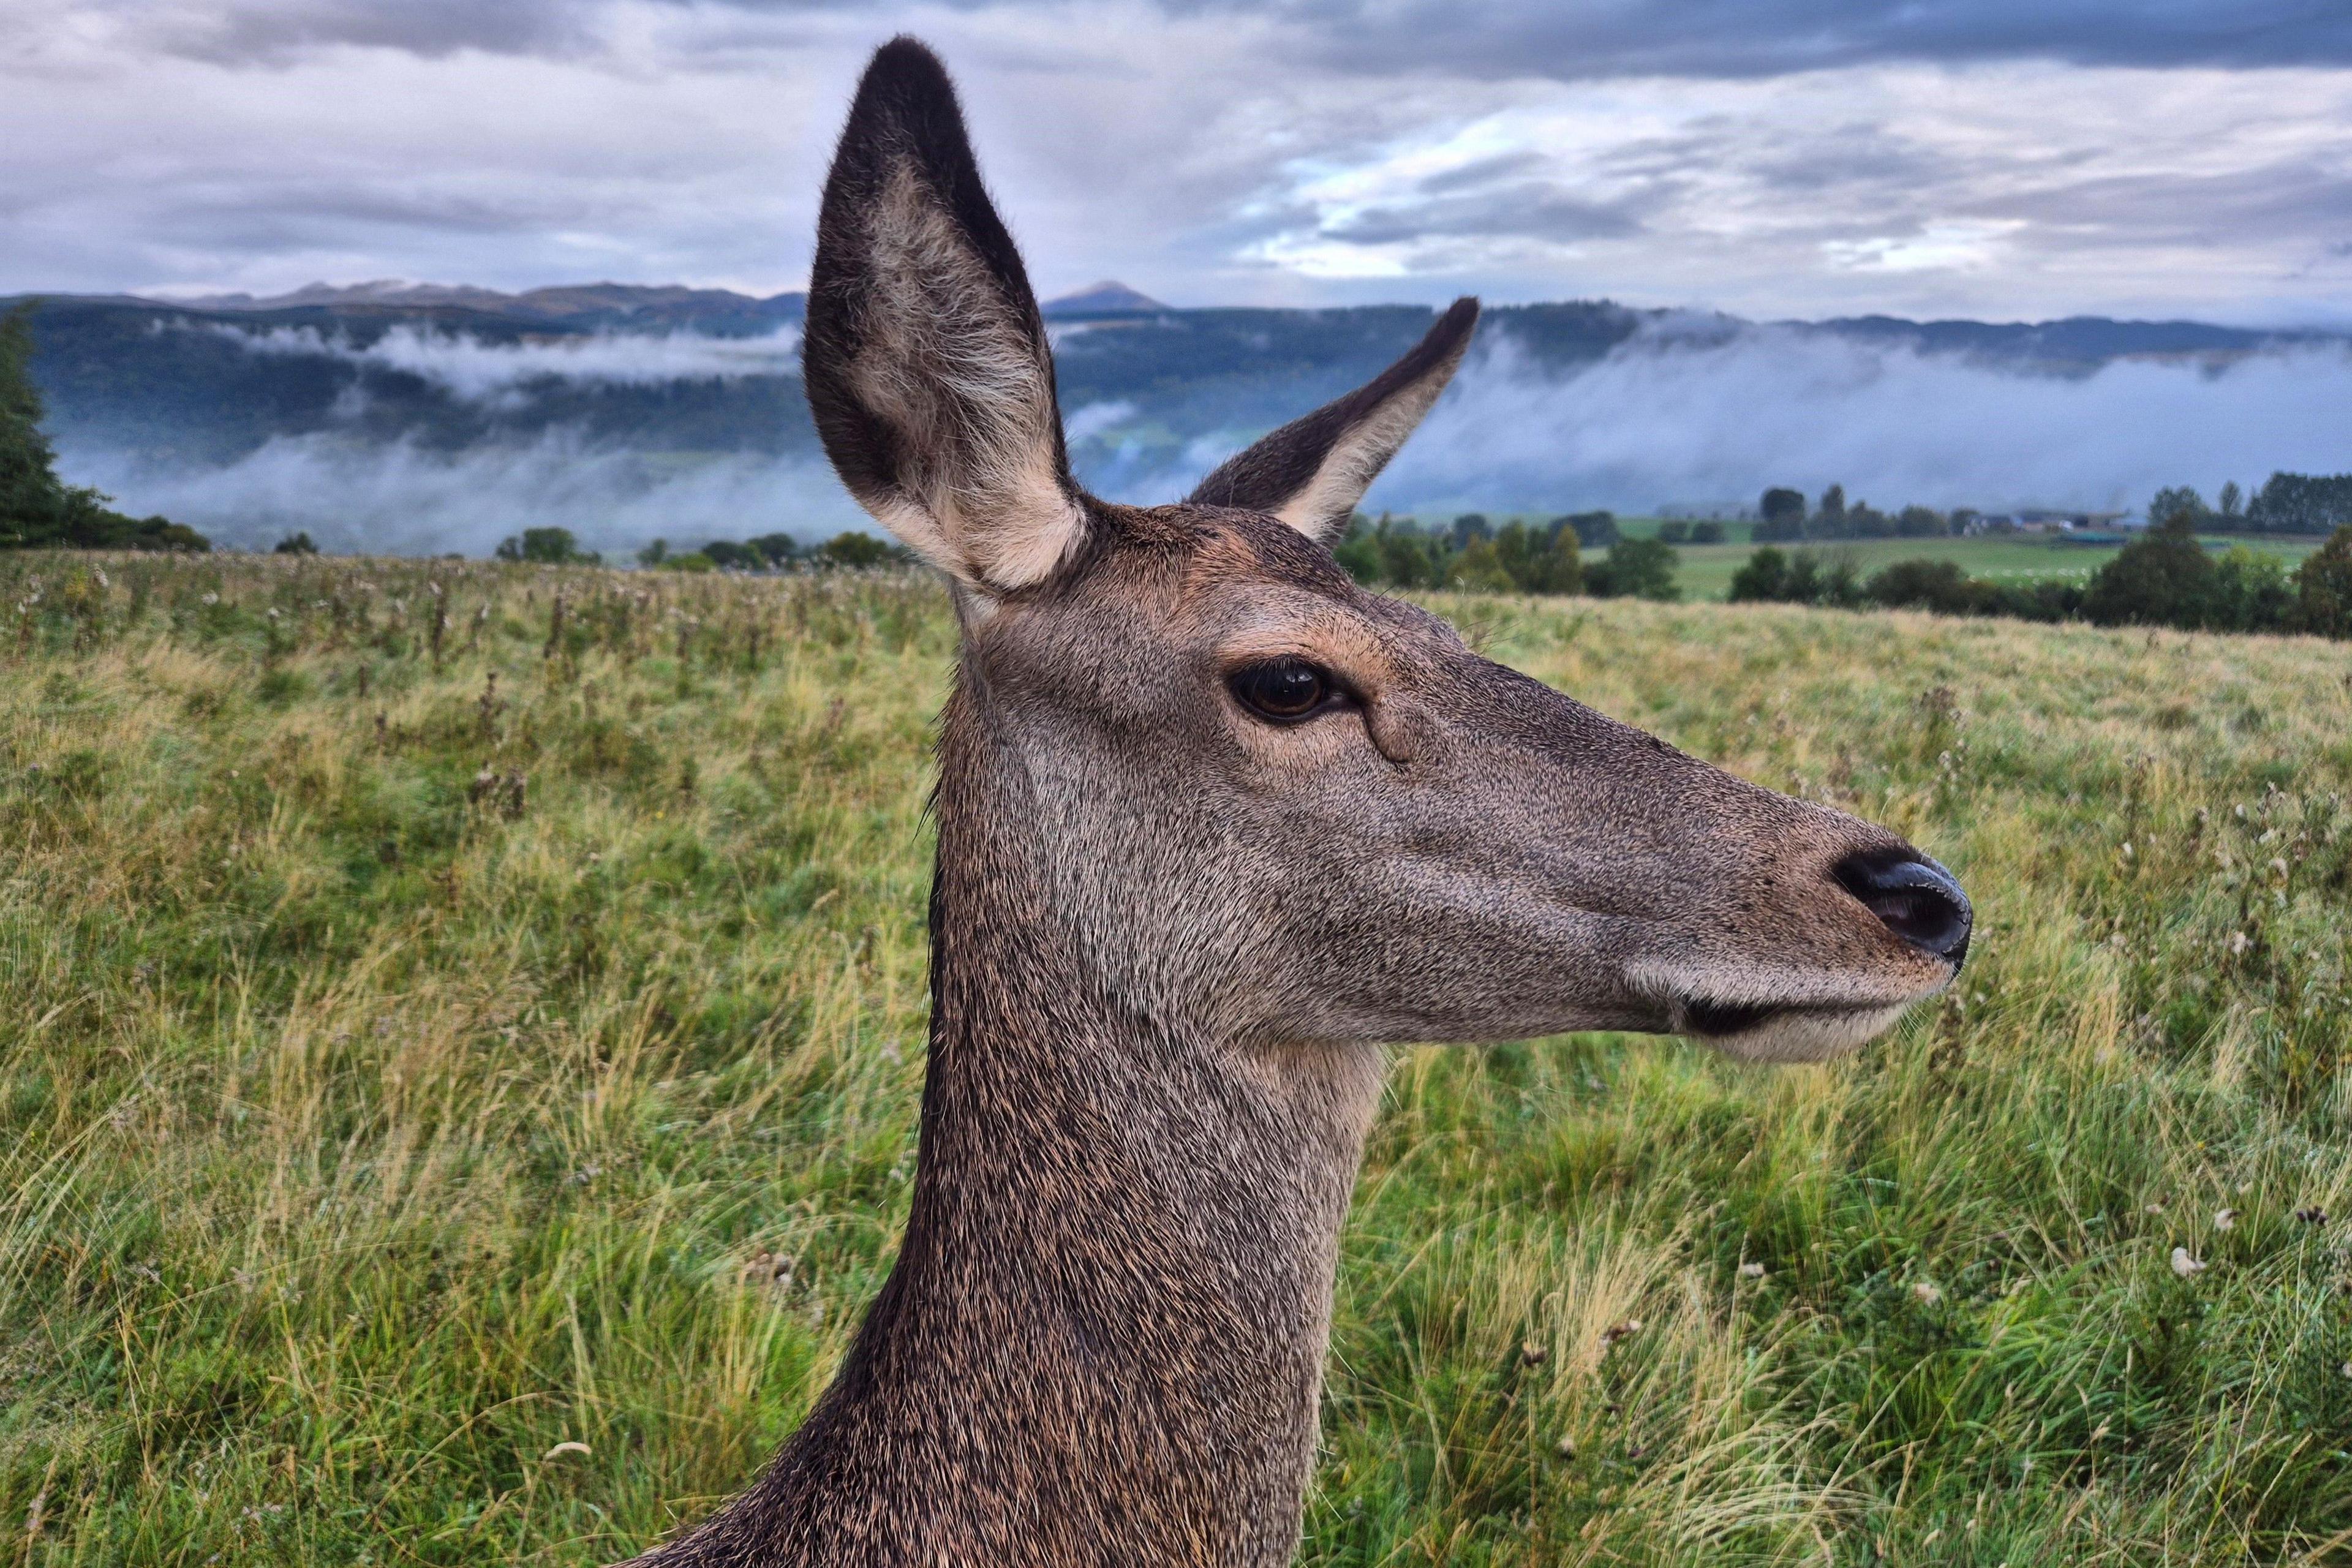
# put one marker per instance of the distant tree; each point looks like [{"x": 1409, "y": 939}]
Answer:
[
  {"x": 1476, "y": 568},
  {"x": 1675, "y": 533},
  {"x": 546, "y": 547},
  {"x": 1707, "y": 532},
  {"x": 733, "y": 556},
  {"x": 295, "y": 544},
  {"x": 1635, "y": 569},
  {"x": 693, "y": 561},
  {"x": 2232, "y": 499},
  {"x": 2301, "y": 503},
  {"x": 1470, "y": 525},
  {"x": 2323, "y": 588},
  {"x": 1781, "y": 514},
  {"x": 2176, "y": 500},
  {"x": 854, "y": 549},
  {"x": 1538, "y": 566},
  {"x": 1594, "y": 530},
  {"x": 654, "y": 553},
  {"x": 1921, "y": 522},
  {"x": 1359, "y": 557},
  {"x": 1964, "y": 520},
  {"x": 1832, "y": 509},
  {"x": 1406, "y": 559},
  {"x": 775, "y": 549},
  {"x": 2161, "y": 578}
]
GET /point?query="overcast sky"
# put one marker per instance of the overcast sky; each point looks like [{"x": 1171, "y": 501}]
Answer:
[{"x": 1995, "y": 158}]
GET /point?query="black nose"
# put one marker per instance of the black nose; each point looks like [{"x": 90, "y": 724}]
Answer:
[{"x": 1917, "y": 899}]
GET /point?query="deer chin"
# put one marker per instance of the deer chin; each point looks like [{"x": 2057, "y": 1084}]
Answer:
[{"x": 1810, "y": 1032}]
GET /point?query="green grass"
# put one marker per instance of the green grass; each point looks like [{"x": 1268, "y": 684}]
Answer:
[{"x": 404, "y": 1075}]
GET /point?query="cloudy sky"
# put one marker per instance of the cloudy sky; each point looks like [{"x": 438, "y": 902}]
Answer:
[{"x": 1996, "y": 158}]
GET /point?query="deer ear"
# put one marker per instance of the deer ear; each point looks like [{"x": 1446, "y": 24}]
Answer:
[
  {"x": 1313, "y": 472},
  {"x": 925, "y": 359}
]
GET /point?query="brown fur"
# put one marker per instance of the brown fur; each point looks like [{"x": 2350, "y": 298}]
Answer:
[{"x": 1169, "y": 940}]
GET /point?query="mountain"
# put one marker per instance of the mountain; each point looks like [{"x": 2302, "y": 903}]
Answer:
[
  {"x": 1108, "y": 298},
  {"x": 397, "y": 415}
]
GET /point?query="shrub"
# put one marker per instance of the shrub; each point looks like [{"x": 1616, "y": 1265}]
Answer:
[
  {"x": 2161, "y": 578},
  {"x": 2323, "y": 588},
  {"x": 1937, "y": 586},
  {"x": 546, "y": 547},
  {"x": 856, "y": 550},
  {"x": 1762, "y": 579},
  {"x": 1635, "y": 569}
]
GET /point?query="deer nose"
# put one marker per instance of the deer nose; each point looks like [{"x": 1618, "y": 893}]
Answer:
[{"x": 1916, "y": 899}]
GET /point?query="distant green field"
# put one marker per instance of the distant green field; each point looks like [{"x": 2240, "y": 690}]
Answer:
[{"x": 1705, "y": 569}]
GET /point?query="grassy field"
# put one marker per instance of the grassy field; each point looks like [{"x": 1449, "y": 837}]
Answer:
[{"x": 455, "y": 1106}]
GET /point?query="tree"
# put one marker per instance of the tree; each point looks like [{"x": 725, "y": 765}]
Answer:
[
  {"x": 654, "y": 553},
  {"x": 2232, "y": 499},
  {"x": 1675, "y": 533},
  {"x": 1832, "y": 510},
  {"x": 546, "y": 547},
  {"x": 1782, "y": 511},
  {"x": 1469, "y": 526},
  {"x": 1920, "y": 522},
  {"x": 775, "y": 549},
  {"x": 2176, "y": 500},
  {"x": 1405, "y": 559},
  {"x": 1708, "y": 533},
  {"x": 1476, "y": 568},
  {"x": 1594, "y": 530},
  {"x": 1635, "y": 569},
  {"x": 38, "y": 510},
  {"x": 854, "y": 548},
  {"x": 298, "y": 543},
  {"x": 1536, "y": 565},
  {"x": 733, "y": 556},
  {"x": 2323, "y": 588},
  {"x": 2161, "y": 578}
]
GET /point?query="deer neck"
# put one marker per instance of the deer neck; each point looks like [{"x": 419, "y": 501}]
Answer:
[{"x": 1105, "y": 1335}]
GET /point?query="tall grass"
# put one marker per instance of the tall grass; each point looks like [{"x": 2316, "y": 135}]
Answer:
[{"x": 457, "y": 1092}]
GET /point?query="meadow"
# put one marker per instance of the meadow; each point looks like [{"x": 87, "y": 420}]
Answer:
[{"x": 461, "y": 1027}]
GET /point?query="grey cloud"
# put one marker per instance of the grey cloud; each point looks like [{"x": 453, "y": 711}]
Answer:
[
  {"x": 1527, "y": 211},
  {"x": 2290, "y": 197},
  {"x": 1527, "y": 38},
  {"x": 1485, "y": 170},
  {"x": 1769, "y": 38}
]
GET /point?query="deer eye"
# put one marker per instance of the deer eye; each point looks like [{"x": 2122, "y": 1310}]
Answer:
[{"x": 1281, "y": 689}]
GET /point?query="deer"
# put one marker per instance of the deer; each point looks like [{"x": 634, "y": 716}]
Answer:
[{"x": 1216, "y": 828}]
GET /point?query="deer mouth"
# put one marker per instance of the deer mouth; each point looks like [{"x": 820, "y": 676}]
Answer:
[{"x": 1797, "y": 1032}]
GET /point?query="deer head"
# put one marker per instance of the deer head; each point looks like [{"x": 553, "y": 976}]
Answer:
[{"x": 1258, "y": 801}]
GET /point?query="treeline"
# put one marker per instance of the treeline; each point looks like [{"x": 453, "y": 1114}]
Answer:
[
  {"x": 1473, "y": 555},
  {"x": 2164, "y": 578},
  {"x": 39, "y": 510},
  {"x": 1783, "y": 516},
  {"x": 2287, "y": 504}
]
